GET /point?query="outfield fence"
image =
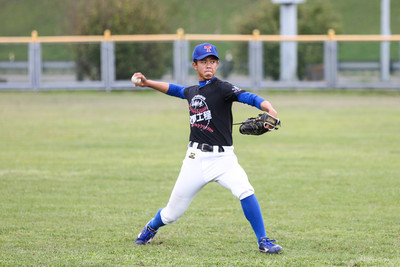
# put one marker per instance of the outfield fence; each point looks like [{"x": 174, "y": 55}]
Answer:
[{"x": 325, "y": 75}]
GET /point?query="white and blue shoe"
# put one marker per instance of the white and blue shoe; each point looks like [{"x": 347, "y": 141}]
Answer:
[
  {"x": 146, "y": 235},
  {"x": 265, "y": 245}
]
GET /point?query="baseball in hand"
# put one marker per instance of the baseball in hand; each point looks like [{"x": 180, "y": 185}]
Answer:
[{"x": 136, "y": 80}]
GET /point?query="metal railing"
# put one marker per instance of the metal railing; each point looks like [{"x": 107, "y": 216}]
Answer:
[{"x": 181, "y": 59}]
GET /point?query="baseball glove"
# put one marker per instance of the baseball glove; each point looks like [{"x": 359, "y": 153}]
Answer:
[{"x": 259, "y": 125}]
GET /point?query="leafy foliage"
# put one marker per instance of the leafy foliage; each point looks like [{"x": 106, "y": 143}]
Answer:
[
  {"x": 317, "y": 17},
  {"x": 265, "y": 17},
  {"x": 93, "y": 17}
]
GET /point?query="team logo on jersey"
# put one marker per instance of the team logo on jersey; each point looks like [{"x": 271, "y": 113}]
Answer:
[
  {"x": 236, "y": 89},
  {"x": 200, "y": 115}
]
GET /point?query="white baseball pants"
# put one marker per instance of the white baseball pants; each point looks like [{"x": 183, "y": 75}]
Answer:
[{"x": 198, "y": 169}]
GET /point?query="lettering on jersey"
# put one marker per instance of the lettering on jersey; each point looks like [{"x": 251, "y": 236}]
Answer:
[
  {"x": 236, "y": 89},
  {"x": 200, "y": 115}
]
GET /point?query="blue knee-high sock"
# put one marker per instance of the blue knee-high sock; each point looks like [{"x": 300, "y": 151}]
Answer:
[
  {"x": 252, "y": 212},
  {"x": 156, "y": 222}
]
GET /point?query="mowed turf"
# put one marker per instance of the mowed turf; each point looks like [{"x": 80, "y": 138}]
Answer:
[{"x": 82, "y": 172}]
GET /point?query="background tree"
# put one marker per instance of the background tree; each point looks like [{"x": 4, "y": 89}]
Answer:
[
  {"x": 93, "y": 17},
  {"x": 314, "y": 17}
]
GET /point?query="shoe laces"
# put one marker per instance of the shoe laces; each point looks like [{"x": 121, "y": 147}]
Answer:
[
  {"x": 267, "y": 240},
  {"x": 148, "y": 232}
]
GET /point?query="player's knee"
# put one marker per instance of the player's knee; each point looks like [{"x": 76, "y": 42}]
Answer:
[
  {"x": 169, "y": 217},
  {"x": 167, "y": 220},
  {"x": 245, "y": 194}
]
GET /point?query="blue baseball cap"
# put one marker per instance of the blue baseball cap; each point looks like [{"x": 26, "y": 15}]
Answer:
[{"x": 204, "y": 50}]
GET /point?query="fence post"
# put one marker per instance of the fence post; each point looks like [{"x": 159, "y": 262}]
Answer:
[
  {"x": 330, "y": 60},
  {"x": 288, "y": 49},
  {"x": 107, "y": 61},
  {"x": 256, "y": 60},
  {"x": 385, "y": 45},
  {"x": 35, "y": 62},
  {"x": 181, "y": 50}
]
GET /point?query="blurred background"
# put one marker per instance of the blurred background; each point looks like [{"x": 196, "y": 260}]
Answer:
[{"x": 92, "y": 64}]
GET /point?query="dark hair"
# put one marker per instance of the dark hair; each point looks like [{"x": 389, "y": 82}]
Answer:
[{"x": 195, "y": 61}]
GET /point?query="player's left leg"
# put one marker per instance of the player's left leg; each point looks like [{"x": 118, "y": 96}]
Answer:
[
  {"x": 236, "y": 180},
  {"x": 252, "y": 212}
]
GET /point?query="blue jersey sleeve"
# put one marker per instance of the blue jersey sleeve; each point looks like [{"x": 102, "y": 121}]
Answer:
[
  {"x": 250, "y": 99},
  {"x": 176, "y": 90}
]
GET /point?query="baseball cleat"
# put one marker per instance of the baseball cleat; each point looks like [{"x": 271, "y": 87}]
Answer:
[
  {"x": 146, "y": 235},
  {"x": 267, "y": 246}
]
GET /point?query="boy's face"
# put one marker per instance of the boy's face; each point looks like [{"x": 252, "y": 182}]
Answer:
[{"x": 206, "y": 67}]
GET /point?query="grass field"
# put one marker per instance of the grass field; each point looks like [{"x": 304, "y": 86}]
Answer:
[{"x": 81, "y": 173}]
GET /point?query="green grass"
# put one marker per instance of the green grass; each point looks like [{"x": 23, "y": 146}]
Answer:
[{"x": 81, "y": 173}]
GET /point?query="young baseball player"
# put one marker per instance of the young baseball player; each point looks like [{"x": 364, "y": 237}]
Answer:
[{"x": 210, "y": 156}]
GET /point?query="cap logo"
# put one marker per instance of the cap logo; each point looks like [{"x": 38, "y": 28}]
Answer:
[{"x": 203, "y": 50}]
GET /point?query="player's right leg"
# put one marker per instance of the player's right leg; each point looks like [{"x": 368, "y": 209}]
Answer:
[
  {"x": 150, "y": 230},
  {"x": 146, "y": 235},
  {"x": 188, "y": 184}
]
